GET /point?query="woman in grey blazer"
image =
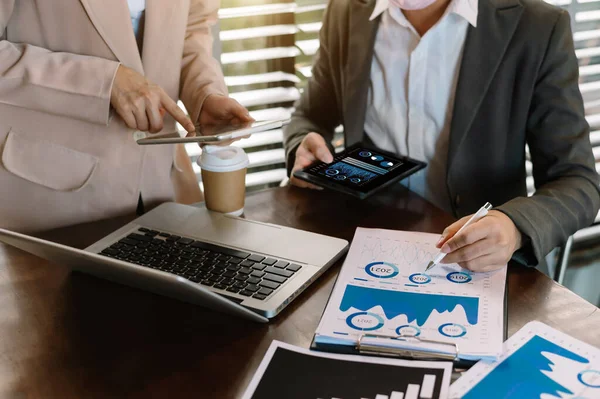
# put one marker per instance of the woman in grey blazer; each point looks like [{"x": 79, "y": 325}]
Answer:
[{"x": 517, "y": 85}]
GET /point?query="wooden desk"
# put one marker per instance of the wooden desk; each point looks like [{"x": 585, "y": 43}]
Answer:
[{"x": 70, "y": 335}]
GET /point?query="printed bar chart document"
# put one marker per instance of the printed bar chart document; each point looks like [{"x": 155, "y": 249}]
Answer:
[
  {"x": 538, "y": 363},
  {"x": 290, "y": 372},
  {"x": 382, "y": 292}
]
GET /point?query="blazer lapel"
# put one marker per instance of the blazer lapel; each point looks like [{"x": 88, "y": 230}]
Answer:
[
  {"x": 158, "y": 30},
  {"x": 361, "y": 42},
  {"x": 112, "y": 21},
  {"x": 497, "y": 22}
]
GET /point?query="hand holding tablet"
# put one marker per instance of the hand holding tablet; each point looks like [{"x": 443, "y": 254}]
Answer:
[{"x": 359, "y": 171}]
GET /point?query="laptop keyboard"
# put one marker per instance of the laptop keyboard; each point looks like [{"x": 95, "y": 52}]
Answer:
[{"x": 237, "y": 272}]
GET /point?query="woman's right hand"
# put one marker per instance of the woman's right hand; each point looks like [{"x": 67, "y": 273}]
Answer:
[
  {"x": 312, "y": 149},
  {"x": 142, "y": 104}
]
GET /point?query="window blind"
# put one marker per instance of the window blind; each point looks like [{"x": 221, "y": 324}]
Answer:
[{"x": 266, "y": 50}]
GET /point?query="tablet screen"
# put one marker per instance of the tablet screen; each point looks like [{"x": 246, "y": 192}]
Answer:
[{"x": 362, "y": 169}]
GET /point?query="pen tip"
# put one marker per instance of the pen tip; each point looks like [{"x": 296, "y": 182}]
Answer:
[{"x": 430, "y": 265}]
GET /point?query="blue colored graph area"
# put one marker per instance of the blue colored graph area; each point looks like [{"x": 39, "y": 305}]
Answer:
[
  {"x": 520, "y": 375},
  {"x": 344, "y": 171},
  {"x": 416, "y": 306}
]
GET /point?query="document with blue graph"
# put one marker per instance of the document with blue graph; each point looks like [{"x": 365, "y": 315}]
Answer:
[
  {"x": 538, "y": 362},
  {"x": 382, "y": 291}
]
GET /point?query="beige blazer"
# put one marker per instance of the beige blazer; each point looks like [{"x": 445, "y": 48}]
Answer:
[{"x": 64, "y": 158}]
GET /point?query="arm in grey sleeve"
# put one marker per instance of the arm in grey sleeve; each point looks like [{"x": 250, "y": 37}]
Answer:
[{"x": 567, "y": 193}]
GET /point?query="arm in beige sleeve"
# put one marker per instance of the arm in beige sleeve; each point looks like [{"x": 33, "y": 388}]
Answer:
[
  {"x": 62, "y": 84},
  {"x": 185, "y": 184},
  {"x": 201, "y": 73}
]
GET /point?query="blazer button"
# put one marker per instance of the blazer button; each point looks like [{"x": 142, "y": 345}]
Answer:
[{"x": 457, "y": 201}]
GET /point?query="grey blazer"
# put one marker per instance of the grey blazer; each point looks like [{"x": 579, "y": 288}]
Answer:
[{"x": 518, "y": 84}]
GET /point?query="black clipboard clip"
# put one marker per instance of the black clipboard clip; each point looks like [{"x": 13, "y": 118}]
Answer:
[{"x": 370, "y": 349}]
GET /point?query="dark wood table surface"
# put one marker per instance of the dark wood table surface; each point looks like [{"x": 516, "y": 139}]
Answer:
[{"x": 66, "y": 335}]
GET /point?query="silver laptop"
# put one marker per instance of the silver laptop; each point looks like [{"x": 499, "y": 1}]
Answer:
[{"x": 247, "y": 268}]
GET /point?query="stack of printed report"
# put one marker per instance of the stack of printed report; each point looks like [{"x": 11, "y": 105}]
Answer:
[{"x": 384, "y": 301}]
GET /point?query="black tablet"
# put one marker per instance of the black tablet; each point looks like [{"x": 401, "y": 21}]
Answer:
[{"x": 360, "y": 171}]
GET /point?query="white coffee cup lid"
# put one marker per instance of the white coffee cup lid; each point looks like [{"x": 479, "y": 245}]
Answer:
[{"x": 222, "y": 159}]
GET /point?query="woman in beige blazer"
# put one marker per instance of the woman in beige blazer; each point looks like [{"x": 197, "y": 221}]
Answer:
[{"x": 74, "y": 89}]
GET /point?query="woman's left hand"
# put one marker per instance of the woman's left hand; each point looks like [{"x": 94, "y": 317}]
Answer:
[
  {"x": 485, "y": 245},
  {"x": 222, "y": 110}
]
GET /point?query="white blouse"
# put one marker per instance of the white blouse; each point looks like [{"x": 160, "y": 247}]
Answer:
[{"x": 136, "y": 10}]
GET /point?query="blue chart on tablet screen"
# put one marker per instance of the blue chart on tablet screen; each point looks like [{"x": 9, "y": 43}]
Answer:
[{"x": 343, "y": 171}]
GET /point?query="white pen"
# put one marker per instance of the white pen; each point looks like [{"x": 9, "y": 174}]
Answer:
[{"x": 476, "y": 216}]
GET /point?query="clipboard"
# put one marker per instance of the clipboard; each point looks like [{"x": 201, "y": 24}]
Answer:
[{"x": 366, "y": 349}]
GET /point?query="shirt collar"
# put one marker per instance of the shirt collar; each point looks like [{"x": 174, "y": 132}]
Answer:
[{"x": 468, "y": 9}]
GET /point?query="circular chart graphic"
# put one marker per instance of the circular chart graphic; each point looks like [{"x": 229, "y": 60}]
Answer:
[
  {"x": 332, "y": 172},
  {"x": 355, "y": 180},
  {"x": 377, "y": 158},
  {"x": 419, "y": 278},
  {"x": 408, "y": 331},
  {"x": 365, "y": 154},
  {"x": 382, "y": 270},
  {"x": 452, "y": 330},
  {"x": 387, "y": 164},
  {"x": 364, "y": 321},
  {"x": 589, "y": 378},
  {"x": 459, "y": 277},
  {"x": 340, "y": 177}
]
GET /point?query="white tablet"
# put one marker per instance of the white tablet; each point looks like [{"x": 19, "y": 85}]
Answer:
[{"x": 210, "y": 134}]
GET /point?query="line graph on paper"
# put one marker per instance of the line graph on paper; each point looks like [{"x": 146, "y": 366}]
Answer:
[
  {"x": 397, "y": 251},
  {"x": 402, "y": 263}
]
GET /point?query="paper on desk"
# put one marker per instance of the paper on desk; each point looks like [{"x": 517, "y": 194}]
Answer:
[
  {"x": 538, "y": 362},
  {"x": 382, "y": 289},
  {"x": 291, "y": 372}
]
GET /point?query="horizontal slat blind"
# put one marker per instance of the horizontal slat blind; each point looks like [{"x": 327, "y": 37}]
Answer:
[{"x": 265, "y": 44}]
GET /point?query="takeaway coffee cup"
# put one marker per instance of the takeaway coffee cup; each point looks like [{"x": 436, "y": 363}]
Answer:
[{"x": 224, "y": 178}]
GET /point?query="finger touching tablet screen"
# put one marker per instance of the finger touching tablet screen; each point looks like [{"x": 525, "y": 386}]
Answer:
[{"x": 360, "y": 171}]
